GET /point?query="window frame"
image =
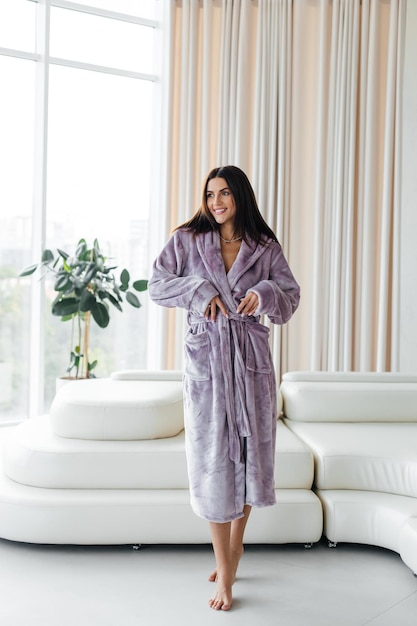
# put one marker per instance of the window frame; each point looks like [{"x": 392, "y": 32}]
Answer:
[{"x": 43, "y": 62}]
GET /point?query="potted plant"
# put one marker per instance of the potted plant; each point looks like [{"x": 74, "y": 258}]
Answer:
[{"x": 85, "y": 286}]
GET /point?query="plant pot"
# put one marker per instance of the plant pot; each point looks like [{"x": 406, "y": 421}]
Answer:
[{"x": 63, "y": 380}]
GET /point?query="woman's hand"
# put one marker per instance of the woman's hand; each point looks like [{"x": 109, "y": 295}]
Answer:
[
  {"x": 248, "y": 304},
  {"x": 211, "y": 311}
]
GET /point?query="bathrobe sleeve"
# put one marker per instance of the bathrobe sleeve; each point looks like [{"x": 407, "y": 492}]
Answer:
[
  {"x": 279, "y": 295},
  {"x": 169, "y": 286}
]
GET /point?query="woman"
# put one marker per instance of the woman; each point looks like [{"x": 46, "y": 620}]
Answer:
[{"x": 226, "y": 268}]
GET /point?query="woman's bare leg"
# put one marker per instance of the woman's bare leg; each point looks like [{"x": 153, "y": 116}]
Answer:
[
  {"x": 220, "y": 536},
  {"x": 237, "y": 532}
]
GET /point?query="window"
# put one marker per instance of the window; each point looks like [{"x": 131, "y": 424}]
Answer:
[
  {"x": 75, "y": 159},
  {"x": 85, "y": 37},
  {"x": 18, "y": 25}
]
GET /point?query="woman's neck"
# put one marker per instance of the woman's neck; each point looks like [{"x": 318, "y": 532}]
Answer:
[{"x": 228, "y": 233}]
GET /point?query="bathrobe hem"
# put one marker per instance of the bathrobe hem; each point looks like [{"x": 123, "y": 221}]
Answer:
[{"x": 232, "y": 518}]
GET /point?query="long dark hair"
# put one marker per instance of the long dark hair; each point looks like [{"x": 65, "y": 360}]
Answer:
[{"x": 248, "y": 220}]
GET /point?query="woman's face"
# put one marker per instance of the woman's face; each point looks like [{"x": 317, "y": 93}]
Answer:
[{"x": 220, "y": 201}]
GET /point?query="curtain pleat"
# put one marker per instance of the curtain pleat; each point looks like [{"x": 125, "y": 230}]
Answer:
[
  {"x": 305, "y": 97},
  {"x": 236, "y": 83},
  {"x": 388, "y": 293}
]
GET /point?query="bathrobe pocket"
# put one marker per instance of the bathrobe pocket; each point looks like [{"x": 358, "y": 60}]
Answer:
[
  {"x": 257, "y": 349},
  {"x": 196, "y": 353}
]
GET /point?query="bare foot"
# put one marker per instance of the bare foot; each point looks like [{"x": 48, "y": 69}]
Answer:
[
  {"x": 222, "y": 599},
  {"x": 235, "y": 562}
]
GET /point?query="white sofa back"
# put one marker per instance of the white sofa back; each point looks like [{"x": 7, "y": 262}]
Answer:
[
  {"x": 349, "y": 396},
  {"x": 147, "y": 375}
]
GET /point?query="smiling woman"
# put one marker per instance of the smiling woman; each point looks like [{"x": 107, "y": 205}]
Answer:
[
  {"x": 90, "y": 107},
  {"x": 226, "y": 268}
]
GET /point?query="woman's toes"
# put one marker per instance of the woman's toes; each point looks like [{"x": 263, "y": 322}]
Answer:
[
  {"x": 213, "y": 576},
  {"x": 222, "y": 599}
]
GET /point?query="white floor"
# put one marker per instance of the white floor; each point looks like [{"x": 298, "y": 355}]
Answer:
[{"x": 167, "y": 586}]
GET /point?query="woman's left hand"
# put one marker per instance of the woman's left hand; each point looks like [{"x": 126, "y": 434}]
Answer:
[
  {"x": 248, "y": 304},
  {"x": 211, "y": 311}
]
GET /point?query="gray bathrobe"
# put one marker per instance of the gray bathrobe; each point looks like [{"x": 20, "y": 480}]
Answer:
[{"x": 229, "y": 380}]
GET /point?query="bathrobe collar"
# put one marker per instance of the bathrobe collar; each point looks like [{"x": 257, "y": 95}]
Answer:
[{"x": 208, "y": 246}]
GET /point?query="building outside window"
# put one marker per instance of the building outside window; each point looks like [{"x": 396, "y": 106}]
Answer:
[{"x": 78, "y": 83}]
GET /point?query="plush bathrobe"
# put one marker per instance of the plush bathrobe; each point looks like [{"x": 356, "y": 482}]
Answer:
[{"x": 229, "y": 381}]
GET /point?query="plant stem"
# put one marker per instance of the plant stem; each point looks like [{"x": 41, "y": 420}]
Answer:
[
  {"x": 71, "y": 341},
  {"x": 87, "y": 319},
  {"x": 79, "y": 344}
]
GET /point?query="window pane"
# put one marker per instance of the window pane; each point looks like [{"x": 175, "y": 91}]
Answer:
[
  {"x": 138, "y": 8},
  {"x": 18, "y": 25},
  {"x": 100, "y": 40},
  {"x": 17, "y": 78},
  {"x": 98, "y": 187}
]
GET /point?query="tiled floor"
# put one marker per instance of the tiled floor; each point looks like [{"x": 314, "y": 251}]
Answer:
[{"x": 167, "y": 585}]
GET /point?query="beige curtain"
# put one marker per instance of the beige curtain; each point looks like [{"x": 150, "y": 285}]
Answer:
[{"x": 304, "y": 95}]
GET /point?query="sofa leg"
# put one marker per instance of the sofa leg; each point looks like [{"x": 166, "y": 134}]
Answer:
[
  {"x": 136, "y": 546},
  {"x": 307, "y": 546},
  {"x": 332, "y": 544}
]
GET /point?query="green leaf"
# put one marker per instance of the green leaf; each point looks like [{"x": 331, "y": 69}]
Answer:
[
  {"x": 140, "y": 285},
  {"x": 133, "y": 299},
  {"x": 63, "y": 254},
  {"x": 91, "y": 366},
  {"x": 81, "y": 249},
  {"x": 47, "y": 256},
  {"x": 77, "y": 285},
  {"x": 113, "y": 300},
  {"x": 28, "y": 270},
  {"x": 87, "y": 301},
  {"x": 75, "y": 359},
  {"x": 66, "y": 318},
  {"x": 124, "y": 278},
  {"x": 116, "y": 291},
  {"x": 90, "y": 272},
  {"x": 100, "y": 314},
  {"x": 65, "y": 306},
  {"x": 63, "y": 282}
]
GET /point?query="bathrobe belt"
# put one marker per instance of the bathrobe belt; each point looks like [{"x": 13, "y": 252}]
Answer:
[{"x": 234, "y": 330}]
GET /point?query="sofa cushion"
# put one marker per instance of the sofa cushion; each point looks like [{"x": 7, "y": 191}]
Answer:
[
  {"x": 349, "y": 397},
  {"x": 147, "y": 375},
  {"x": 408, "y": 543},
  {"x": 112, "y": 409},
  {"x": 36, "y": 456},
  {"x": 294, "y": 463},
  {"x": 371, "y": 457},
  {"x": 366, "y": 517}
]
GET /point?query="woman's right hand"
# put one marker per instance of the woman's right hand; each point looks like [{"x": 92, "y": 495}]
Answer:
[{"x": 211, "y": 311}]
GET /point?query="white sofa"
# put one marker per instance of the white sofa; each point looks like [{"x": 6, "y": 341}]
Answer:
[
  {"x": 108, "y": 466},
  {"x": 362, "y": 430}
]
